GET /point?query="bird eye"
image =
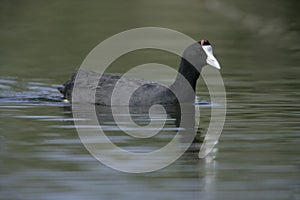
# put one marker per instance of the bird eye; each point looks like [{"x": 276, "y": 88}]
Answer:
[{"x": 205, "y": 42}]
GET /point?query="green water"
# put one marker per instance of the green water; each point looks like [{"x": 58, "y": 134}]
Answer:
[{"x": 257, "y": 44}]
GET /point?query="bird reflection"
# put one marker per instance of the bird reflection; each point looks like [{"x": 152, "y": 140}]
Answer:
[{"x": 178, "y": 119}]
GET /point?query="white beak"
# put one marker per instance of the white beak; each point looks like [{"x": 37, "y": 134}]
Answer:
[{"x": 211, "y": 60}]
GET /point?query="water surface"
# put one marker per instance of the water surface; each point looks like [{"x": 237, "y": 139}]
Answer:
[{"x": 257, "y": 157}]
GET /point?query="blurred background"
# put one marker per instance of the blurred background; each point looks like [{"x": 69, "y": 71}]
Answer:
[{"x": 257, "y": 44}]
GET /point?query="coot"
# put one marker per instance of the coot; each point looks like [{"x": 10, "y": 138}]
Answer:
[{"x": 146, "y": 92}]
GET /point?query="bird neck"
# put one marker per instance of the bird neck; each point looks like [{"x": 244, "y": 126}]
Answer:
[{"x": 186, "y": 73}]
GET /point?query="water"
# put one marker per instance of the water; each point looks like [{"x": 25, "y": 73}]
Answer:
[{"x": 257, "y": 44}]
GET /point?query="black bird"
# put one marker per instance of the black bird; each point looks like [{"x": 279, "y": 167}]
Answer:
[{"x": 146, "y": 92}]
